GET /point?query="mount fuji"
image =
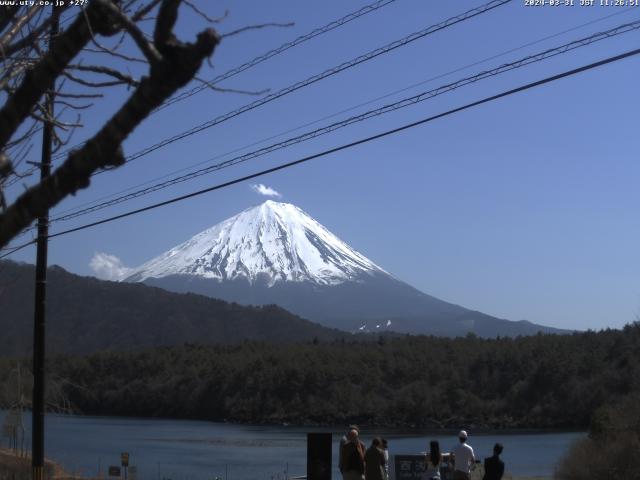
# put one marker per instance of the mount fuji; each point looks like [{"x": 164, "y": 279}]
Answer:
[
  {"x": 275, "y": 253},
  {"x": 268, "y": 244}
]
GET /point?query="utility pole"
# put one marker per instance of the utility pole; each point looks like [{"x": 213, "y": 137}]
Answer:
[{"x": 38, "y": 412}]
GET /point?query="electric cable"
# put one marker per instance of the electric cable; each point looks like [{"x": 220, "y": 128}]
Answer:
[
  {"x": 276, "y": 51},
  {"x": 327, "y": 73},
  {"x": 528, "y": 60},
  {"x": 361, "y": 141},
  {"x": 265, "y": 56},
  {"x": 316, "y": 78},
  {"x": 327, "y": 117},
  {"x": 346, "y": 146}
]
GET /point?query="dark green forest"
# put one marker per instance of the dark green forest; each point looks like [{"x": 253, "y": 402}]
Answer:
[
  {"x": 85, "y": 315},
  {"x": 543, "y": 381},
  {"x": 611, "y": 448}
]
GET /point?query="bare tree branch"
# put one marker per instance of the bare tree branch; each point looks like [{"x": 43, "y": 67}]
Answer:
[
  {"x": 167, "y": 17},
  {"x": 255, "y": 27},
  {"x": 7, "y": 14},
  {"x": 146, "y": 47},
  {"x": 16, "y": 28},
  {"x": 142, "y": 12},
  {"x": 209, "y": 19},
  {"x": 91, "y": 84},
  {"x": 115, "y": 53},
  {"x": 37, "y": 80},
  {"x": 30, "y": 131},
  {"x": 45, "y": 118},
  {"x": 112, "y": 72},
  {"x": 74, "y": 106},
  {"x": 28, "y": 39},
  {"x": 179, "y": 64},
  {"x": 78, "y": 95},
  {"x": 21, "y": 155},
  {"x": 64, "y": 142},
  {"x": 231, "y": 90}
]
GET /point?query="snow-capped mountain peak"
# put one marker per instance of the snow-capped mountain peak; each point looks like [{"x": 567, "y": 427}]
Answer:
[{"x": 273, "y": 241}]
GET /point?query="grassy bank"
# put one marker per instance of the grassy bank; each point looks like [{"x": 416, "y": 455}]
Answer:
[{"x": 15, "y": 467}]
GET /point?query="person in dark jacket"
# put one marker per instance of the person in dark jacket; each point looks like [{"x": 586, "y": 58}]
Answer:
[
  {"x": 343, "y": 441},
  {"x": 493, "y": 466},
  {"x": 374, "y": 461},
  {"x": 352, "y": 457}
]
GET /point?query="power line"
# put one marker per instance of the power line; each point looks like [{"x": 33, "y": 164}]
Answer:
[
  {"x": 327, "y": 117},
  {"x": 276, "y": 51},
  {"x": 386, "y": 133},
  {"x": 13, "y": 250},
  {"x": 327, "y": 73},
  {"x": 266, "y": 56},
  {"x": 423, "y": 96},
  {"x": 320, "y": 76}
]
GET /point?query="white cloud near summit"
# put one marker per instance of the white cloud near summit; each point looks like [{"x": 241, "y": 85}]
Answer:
[
  {"x": 264, "y": 190},
  {"x": 108, "y": 267}
]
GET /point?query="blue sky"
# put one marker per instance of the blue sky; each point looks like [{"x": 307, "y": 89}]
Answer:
[{"x": 524, "y": 208}]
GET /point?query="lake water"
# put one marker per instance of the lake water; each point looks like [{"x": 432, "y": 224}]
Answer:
[{"x": 196, "y": 450}]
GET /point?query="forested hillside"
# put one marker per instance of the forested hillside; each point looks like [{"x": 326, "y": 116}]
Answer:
[
  {"x": 85, "y": 315},
  {"x": 539, "y": 381}
]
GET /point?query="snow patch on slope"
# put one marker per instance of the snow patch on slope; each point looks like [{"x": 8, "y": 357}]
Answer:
[{"x": 275, "y": 241}]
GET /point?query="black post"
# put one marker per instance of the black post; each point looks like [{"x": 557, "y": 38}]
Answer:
[
  {"x": 37, "y": 440},
  {"x": 318, "y": 456}
]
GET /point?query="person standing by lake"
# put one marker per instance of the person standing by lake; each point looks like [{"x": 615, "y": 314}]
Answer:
[
  {"x": 385, "y": 450},
  {"x": 432, "y": 462},
  {"x": 352, "y": 457},
  {"x": 343, "y": 441},
  {"x": 374, "y": 461},
  {"x": 463, "y": 458},
  {"x": 493, "y": 466}
]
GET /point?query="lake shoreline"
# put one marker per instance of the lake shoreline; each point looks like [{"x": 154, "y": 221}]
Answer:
[
  {"x": 366, "y": 428},
  {"x": 15, "y": 465},
  {"x": 200, "y": 450}
]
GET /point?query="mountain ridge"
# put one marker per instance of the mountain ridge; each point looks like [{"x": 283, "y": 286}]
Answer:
[{"x": 276, "y": 253}]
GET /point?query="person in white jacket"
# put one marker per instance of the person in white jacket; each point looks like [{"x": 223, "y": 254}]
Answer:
[
  {"x": 385, "y": 450},
  {"x": 463, "y": 458}
]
